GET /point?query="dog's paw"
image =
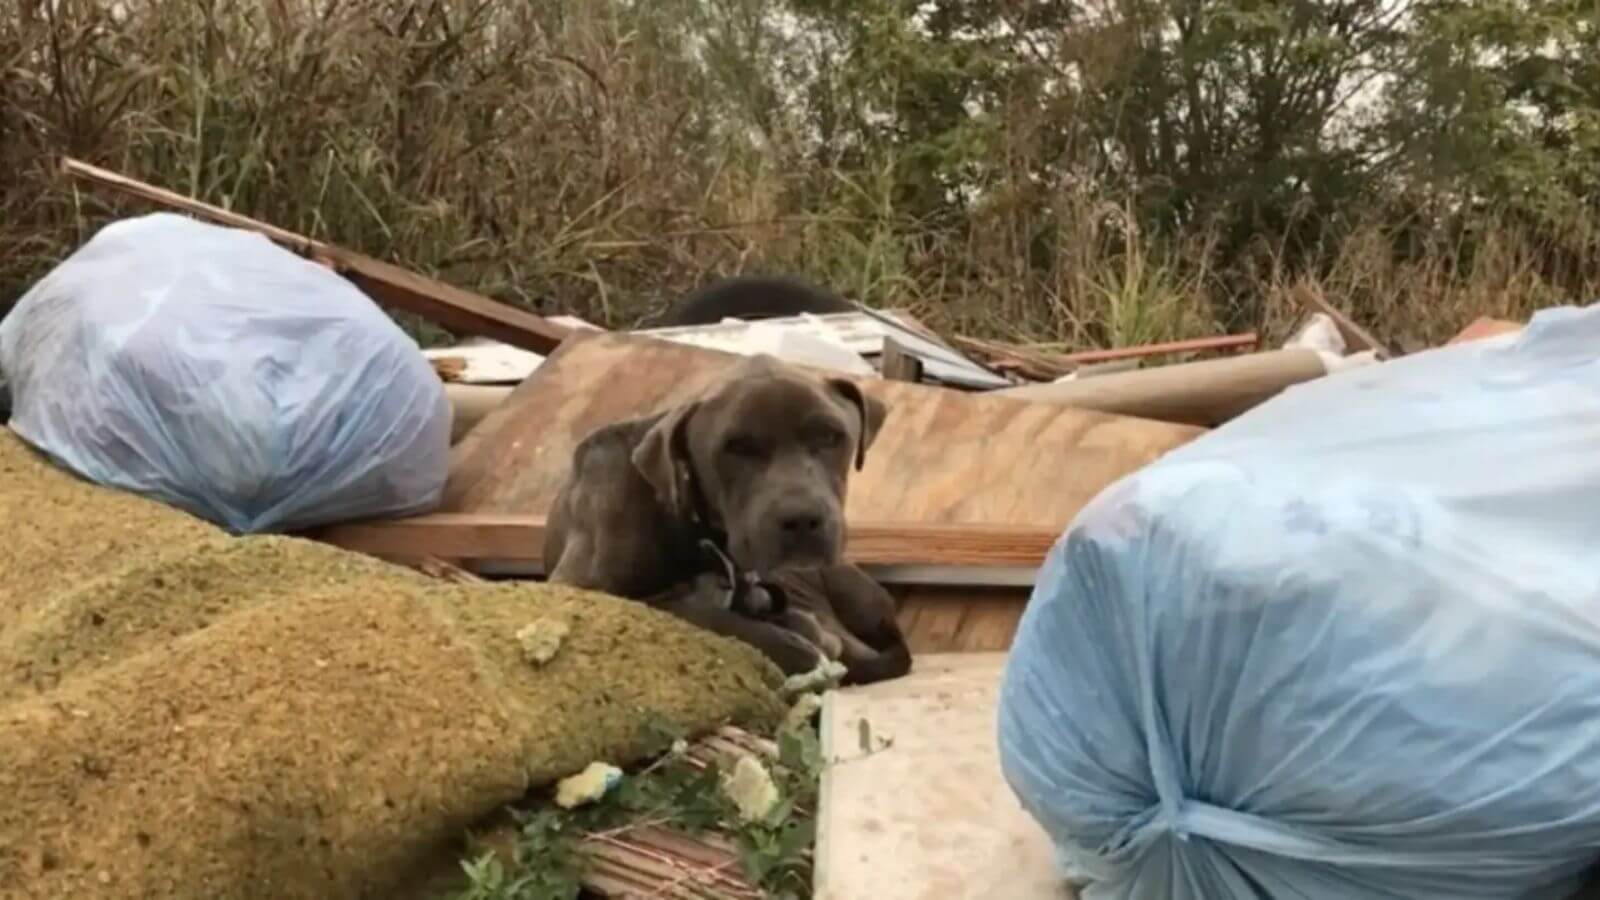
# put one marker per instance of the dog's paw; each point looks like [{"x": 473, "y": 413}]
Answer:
[
  {"x": 756, "y": 601},
  {"x": 830, "y": 645},
  {"x": 759, "y": 598},
  {"x": 709, "y": 590}
]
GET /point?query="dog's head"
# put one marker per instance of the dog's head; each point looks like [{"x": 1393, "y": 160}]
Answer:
[{"x": 765, "y": 456}]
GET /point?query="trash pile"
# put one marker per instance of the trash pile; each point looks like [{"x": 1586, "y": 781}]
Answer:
[
  {"x": 1345, "y": 646},
  {"x": 1309, "y": 620},
  {"x": 218, "y": 372}
]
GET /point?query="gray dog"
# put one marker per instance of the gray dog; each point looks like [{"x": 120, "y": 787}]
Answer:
[{"x": 693, "y": 508}]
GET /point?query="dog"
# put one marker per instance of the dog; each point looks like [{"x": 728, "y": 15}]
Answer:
[
  {"x": 752, "y": 297},
  {"x": 711, "y": 509},
  {"x": 848, "y": 606}
]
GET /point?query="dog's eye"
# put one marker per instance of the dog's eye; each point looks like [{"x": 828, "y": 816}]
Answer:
[
  {"x": 827, "y": 438},
  {"x": 740, "y": 445}
]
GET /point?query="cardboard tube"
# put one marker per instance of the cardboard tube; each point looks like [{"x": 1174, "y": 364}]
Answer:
[
  {"x": 1206, "y": 393},
  {"x": 469, "y": 403}
]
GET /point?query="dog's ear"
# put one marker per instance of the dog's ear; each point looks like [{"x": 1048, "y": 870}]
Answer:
[
  {"x": 662, "y": 457},
  {"x": 871, "y": 410}
]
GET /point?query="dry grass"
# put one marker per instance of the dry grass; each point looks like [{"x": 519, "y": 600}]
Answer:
[{"x": 570, "y": 158}]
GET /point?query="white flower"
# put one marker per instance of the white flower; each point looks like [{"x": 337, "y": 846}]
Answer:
[{"x": 751, "y": 788}]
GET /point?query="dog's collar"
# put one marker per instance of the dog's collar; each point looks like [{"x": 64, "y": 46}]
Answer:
[
  {"x": 702, "y": 533},
  {"x": 711, "y": 541},
  {"x": 703, "y": 525}
]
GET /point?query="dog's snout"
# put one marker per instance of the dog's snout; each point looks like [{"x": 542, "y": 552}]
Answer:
[
  {"x": 801, "y": 523},
  {"x": 801, "y": 530}
]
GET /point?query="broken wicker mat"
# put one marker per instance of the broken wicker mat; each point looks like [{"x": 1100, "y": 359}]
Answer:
[{"x": 188, "y": 714}]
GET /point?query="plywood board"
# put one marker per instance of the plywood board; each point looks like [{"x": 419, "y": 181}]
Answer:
[
  {"x": 927, "y": 817},
  {"x": 959, "y": 619},
  {"x": 943, "y": 456}
]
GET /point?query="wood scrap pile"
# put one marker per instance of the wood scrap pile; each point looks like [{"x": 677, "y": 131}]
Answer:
[
  {"x": 989, "y": 451},
  {"x": 960, "y": 498},
  {"x": 653, "y": 858},
  {"x": 668, "y": 830},
  {"x": 977, "y": 471},
  {"x": 646, "y": 861}
]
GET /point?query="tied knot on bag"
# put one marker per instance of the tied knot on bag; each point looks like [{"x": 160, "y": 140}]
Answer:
[{"x": 1186, "y": 818}]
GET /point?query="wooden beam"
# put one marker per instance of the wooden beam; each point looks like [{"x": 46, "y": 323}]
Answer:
[
  {"x": 1245, "y": 341},
  {"x": 387, "y": 284},
  {"x": 1033, "y": 364},
  {"x": 886, "y": 544},
  {"x": 464, "y": 538},
  {"x": 1355, "y": 337},
  {"x": 1044, "y": 365}
]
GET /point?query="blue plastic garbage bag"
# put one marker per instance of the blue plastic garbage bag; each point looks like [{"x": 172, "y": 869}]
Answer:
[
  {"x": 1346, "y": 646},
  {"x": 211, "y": 369}
]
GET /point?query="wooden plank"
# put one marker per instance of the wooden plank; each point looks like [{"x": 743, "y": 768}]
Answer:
[
  {"x": 943, "y": 456},
  {"x": 1246, "y": 341},
  {"x": 1032, "y": 361},
  {"x": 938, "y": 626},
  {"x": 387, "y": 284},
  {"x": 458, "y": 310},
  {"x": 904, "y": 318},
  {"x": 992, "y": 620},
  {"x": 959, "y": 620},
  {"x": 987, "y": 576},
  {"x": 1014, "y": 358},
  {"x": 520, "y": 538},
  {"x": 99, "y": 177},
  {"x": 1485, "y": 327},
  {"x": 907, "y": 616},
  {"x": 923, "y": 811},
  {"x": 1355, "y": 337}
]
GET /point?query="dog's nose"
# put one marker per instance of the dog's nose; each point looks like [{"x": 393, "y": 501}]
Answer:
[
  {"x": 801, "y": 524},
  {"x": 802, "y": 531}
]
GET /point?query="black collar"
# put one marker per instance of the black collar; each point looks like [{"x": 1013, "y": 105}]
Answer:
[
  {"x": 711, "y": 543},
  {"x": 703, "y": 525}
]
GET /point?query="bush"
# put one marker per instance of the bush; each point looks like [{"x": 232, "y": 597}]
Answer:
[{"x": 1030, "y": 181}]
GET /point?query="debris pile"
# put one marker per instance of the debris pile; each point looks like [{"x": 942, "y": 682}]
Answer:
[
  {"x": 185, "y": 713},
  {"x": 217, "y": 372},
  {"x": 1345, "y": 632}
]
